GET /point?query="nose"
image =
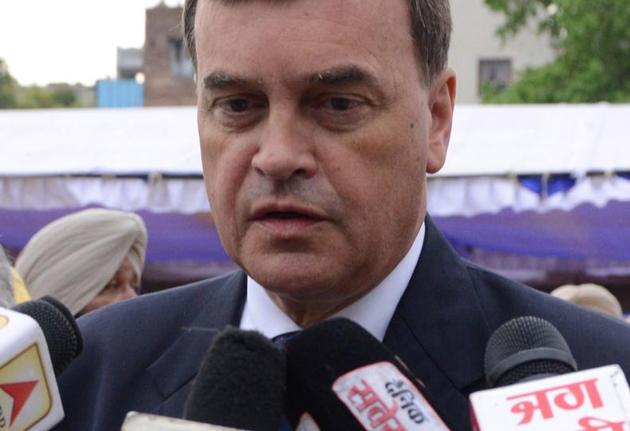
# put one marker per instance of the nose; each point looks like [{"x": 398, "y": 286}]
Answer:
[{"x": 285, "y": 150}]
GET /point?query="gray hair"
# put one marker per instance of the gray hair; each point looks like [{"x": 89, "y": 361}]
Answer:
[
  {"x": 431, "y": 28},
  {"x": 6, "y": 281}
]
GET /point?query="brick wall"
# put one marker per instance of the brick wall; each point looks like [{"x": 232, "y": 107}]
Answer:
[{"x": 161, "y": 86}]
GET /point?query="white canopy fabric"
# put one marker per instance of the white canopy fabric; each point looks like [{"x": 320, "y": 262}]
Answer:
[
  {"x": 533, "y": 139},
  {"x": 486, "y": 140},
  {"x": 99, "y": 142},
  {"x": 46, "y": 156}
]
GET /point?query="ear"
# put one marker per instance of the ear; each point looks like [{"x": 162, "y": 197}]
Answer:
[{"x": 441, "y": 105}]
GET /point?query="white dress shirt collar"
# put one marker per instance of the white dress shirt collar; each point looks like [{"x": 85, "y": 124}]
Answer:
[{"x": 372, "y": 311}]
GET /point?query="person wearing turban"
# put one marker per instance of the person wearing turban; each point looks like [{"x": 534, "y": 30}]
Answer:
[
  {"x": 592, "y": 296},
  {"x": 86, "y": 260}
]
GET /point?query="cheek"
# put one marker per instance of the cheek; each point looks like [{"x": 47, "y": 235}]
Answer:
[
  {"x": 221, "y": 167},
  {"x": 380, "y": 178},
  {"x": 378, "y": 165},
  {"x": 226, "y": 164}
]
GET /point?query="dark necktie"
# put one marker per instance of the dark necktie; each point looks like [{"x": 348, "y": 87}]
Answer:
[{"x": 282, "y": 340}]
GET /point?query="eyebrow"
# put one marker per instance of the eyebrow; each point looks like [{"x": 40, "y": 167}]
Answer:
[
  {"x": 342, "y": 75},
  {"x": 221, "y": 79},
  {"x": 337, "y": 76}
]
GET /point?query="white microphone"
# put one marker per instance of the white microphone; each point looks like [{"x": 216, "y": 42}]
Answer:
[
  {"x": 29, "y": 397},
  {"x": 144, "y": 422},
  {"x": 537, "y": 388}
]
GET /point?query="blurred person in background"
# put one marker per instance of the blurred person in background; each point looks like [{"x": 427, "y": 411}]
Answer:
[
  {"x": 6, "y": 281},
  {"x": 591, "y": 296},
  {"x": 86, "y": 260}
]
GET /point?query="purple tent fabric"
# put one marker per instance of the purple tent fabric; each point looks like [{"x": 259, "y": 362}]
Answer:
[
  {"x": 585, "y": 233},
  {"x": 172, "y": 237}
]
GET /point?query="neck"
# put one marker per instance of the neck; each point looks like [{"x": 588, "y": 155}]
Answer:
[{"x": 309, "y": 313}]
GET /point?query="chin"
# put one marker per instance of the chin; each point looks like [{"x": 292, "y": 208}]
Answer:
[{"x": 295, "y": 281}]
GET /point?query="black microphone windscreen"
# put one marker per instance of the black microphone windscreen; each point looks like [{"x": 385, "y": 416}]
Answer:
[
  {"x": 59, "y": 327},
  {"x": 526, "y": 348},
  {"x": 321, "y": 356},
  {"x": 240, "y": 384}
]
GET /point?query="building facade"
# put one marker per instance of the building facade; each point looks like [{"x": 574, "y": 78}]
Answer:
[
  {"x": 479, "y": 56},
  {"x": 129, "y": 62},
  {"x": 168, "y": 69}
]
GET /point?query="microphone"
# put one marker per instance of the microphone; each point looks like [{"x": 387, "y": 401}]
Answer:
[
  {"x": 38, "y": 339},
  {"x": 240, "y": 384},
  {"x": 340, "y": 377},
  {"x": 145, "y": 422},
  {"x": 537, "y": 387},
  {"x": 60, "y": 329},
  {"x": 524, "y": 349}
]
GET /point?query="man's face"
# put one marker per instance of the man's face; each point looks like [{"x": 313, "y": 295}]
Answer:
[{"x": 316, "y": 132}]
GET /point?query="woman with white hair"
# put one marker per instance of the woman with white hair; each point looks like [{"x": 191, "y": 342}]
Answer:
[{"x": 86, "y": 260}]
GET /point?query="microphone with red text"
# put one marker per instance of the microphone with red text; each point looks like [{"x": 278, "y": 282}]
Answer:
[
  {"x": 533, "y": 371},
  {"x": 240, "y": 384},
  {"x": 38, "y": 340},
  {"x": 340, "y": 377}
]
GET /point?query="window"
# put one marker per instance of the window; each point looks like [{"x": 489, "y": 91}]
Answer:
[
  {"x": 496, "y": 73},
  {"x": 181, "y": 64}
]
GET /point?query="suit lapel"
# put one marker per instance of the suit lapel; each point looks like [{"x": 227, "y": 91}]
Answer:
[
  {"x": 175, "y": 369},
  {"x": 439, "y": 329}
]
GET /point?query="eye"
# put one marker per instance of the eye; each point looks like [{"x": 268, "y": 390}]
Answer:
[
  {"x": 237, "y": 105},
  {"x": 238, "y": 111},
  {"x": 341, "y": 103},
  {"x": 341, "y": 112}
]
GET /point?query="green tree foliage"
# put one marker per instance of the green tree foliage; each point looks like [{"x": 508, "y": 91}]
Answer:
[
  {"x": 35, "y": 97},
  {"x": 592, "y": 38},
  {"x": 13, "y": 96},
  {"x": 8, "y": 87}
]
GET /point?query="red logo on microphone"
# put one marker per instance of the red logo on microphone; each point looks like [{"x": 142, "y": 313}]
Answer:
[
  {"x": 24, "y": 394},
  {"x": 19, "y": 392}
]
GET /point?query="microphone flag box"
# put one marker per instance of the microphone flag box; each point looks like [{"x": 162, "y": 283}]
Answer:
[
  {"x": 590, "y": 400},
  {"x": 381, "y": 398},
  {"x": 29, "y": 398}
]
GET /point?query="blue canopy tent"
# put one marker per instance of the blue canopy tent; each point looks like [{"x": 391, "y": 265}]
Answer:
[{"x": 527, "y": 190}]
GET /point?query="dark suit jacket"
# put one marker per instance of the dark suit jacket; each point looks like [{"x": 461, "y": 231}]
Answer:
[{"x": 143, "y": 354}]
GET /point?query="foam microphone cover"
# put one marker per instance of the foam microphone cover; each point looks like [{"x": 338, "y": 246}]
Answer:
[
  {"x": 317, "y": 357},
  {"x": 526, "y": 348},
  {"x": 59, "y": 327},
  {"x": 241, "y": 383}
]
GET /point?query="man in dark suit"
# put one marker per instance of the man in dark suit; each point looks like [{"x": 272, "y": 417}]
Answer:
[{"x": 318, "y": 122}]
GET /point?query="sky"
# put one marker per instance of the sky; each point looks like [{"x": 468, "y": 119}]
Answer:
[{"x": 45, "y": 41}]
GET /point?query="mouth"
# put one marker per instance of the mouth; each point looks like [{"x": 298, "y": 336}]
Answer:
[
  {"x": 286, "y": 215},
  {"x": 286, "y": 220}
]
